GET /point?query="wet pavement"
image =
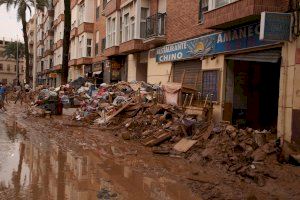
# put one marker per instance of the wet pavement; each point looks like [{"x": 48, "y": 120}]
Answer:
[{"x": 39, "y": 168}]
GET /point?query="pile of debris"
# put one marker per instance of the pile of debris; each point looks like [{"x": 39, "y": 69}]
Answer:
[{"x": 243, "y": 152}]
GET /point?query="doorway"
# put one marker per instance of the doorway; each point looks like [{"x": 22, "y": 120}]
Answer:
[{"x": 252, "y": 90}]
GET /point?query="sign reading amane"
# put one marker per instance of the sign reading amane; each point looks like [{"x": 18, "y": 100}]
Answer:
[{"x": 227, "y": 41}]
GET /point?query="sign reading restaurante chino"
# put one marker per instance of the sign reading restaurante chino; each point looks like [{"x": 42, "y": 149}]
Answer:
[{"x": 228, "y": 41}]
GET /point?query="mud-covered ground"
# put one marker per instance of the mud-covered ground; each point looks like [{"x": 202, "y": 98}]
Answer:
[{"x": 42, "y": 158}]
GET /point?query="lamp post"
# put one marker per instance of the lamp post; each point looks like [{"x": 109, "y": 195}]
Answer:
[{"x": 34, "y": 48}]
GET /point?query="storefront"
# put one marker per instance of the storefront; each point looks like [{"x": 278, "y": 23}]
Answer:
[
  {"x": 115, "y": 70},
  {"x": 223, "y": 65}
]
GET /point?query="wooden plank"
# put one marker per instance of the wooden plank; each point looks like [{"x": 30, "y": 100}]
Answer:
[{"x": 184, "y": 145}]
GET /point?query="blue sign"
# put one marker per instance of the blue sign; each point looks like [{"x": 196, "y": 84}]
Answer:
[
  {"x": 236, "y": 39},
  {"x": 275, "y": 26}
]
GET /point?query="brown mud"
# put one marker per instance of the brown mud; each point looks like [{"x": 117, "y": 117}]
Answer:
[{"x": 44, "y": 158}]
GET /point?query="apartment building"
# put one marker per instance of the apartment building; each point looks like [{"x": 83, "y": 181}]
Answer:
[
  {"x": 81, "y": 44},
  {"x": 58, "y": 27},
  {"x": 126, "y": 34},
  {"x": 8, "y": 66}
]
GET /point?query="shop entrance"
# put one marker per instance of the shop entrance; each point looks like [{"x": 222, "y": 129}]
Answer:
[{"x": 252, "y": 92}]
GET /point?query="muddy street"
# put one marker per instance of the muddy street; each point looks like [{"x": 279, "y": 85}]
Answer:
[
  {"x": 35, "y": 166},
  {"x": 47, "y": 158}
]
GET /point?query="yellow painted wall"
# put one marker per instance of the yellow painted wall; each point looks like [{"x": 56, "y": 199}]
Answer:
[
  {"x": 158, "y": 72},
  {"x": 217, "y": 63}
]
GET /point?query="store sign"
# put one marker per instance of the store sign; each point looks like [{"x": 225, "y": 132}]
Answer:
[
  {"x": 228, "y": 41},
  {"x": 275, "y": 26}
]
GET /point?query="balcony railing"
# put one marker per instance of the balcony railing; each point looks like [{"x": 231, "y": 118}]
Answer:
[{"x": 155, "y": 25}]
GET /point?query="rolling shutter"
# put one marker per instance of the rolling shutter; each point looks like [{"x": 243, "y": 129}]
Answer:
[{"x": 192, "y": 69}]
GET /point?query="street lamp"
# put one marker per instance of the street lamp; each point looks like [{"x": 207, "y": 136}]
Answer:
[{"x": 34, "y": 48}]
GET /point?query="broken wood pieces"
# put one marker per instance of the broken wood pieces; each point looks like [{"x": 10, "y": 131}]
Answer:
[{"x": 184, "y": 145}]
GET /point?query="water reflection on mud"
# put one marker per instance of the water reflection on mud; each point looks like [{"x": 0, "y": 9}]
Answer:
[{"x": 44, "y": 171}]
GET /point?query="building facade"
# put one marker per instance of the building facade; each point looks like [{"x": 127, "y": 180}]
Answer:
[
  {"x": 8, "y": 66},
  {"x": 205, "y": 45}
]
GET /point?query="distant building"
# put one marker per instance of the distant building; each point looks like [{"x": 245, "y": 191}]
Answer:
[{"x": 8, "y": 66}]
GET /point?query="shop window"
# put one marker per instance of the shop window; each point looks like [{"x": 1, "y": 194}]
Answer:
[
  {"x": 144, "y": 15},
  {"x": 203, "y": 7},
  {"x": 89, "y": 47},
  {"x": 210, "y": 82}
]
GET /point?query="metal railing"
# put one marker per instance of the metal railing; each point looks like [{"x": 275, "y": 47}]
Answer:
[{"x": 155, "y": 25}]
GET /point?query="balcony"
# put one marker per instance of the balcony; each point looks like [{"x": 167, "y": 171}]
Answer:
[
  {"x": 49, "y": 33},
  {"x": 84, "y": 61},
  {"x": 73, "y": 3},
  {"x": 58, "y": 44},
  {"x": 111, "y": 51},
  {"x": 59, "y": 19},
  {"x": 133, "y": 46},
  {"x": 72, "y": 62},
  {"x": 85, "y": 28},
  {"x": 241, "y": 12},
  {"x": 74, "y": 33},
  {"x": 155, "y": 30},
  {"x": 49, "y": 52},
  {"x": 111, "y": 6}
]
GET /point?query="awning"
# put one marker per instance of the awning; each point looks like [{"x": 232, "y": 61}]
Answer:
[{"x": 272, "y": 56}]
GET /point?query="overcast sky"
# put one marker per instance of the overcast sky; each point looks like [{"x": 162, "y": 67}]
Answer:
[{"x": 9, "y": 27}]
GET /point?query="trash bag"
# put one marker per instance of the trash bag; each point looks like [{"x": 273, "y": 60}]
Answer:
[{"x": 119, "y": 100}]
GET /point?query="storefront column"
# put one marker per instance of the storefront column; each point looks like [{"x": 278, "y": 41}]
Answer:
[
  {"x": 288, "y": 124},
  {"x": 132, "y": 65}
]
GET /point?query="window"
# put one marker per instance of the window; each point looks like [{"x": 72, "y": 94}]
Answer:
[
  {"x": 89, "y": 47},
  {"x": 81, "y": 13},
  {"x": 103, "y": 44},
  {"x": 1, "y": 67},
  {"x": 213, "y": 4},
  {"x": 121, "y": 29},
  {"x": 203, "y": 7},
  {"x": 97, "y": 43},
  {"x": 8, "y": 68},
  {"x": 50, "y": 63},
  {"x": 113, "y": 28},
  {"x": 111, "y": 32},
  {"x": 22, "y": 68},
  {"x": 144, "y": 15},
  {"x": 126, "y": 27},
  {"x": 97, "y": 13},
  {"x": 210, "y": 82},
  {"x": 80, "y": 47},
  {"x": 42, "y": 66},
  {"x": 132, "y": 29},
  {"x": 15, "y": 68}
]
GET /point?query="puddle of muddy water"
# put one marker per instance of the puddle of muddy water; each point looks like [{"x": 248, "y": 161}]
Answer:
[{"x": 44, "y": 171}]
